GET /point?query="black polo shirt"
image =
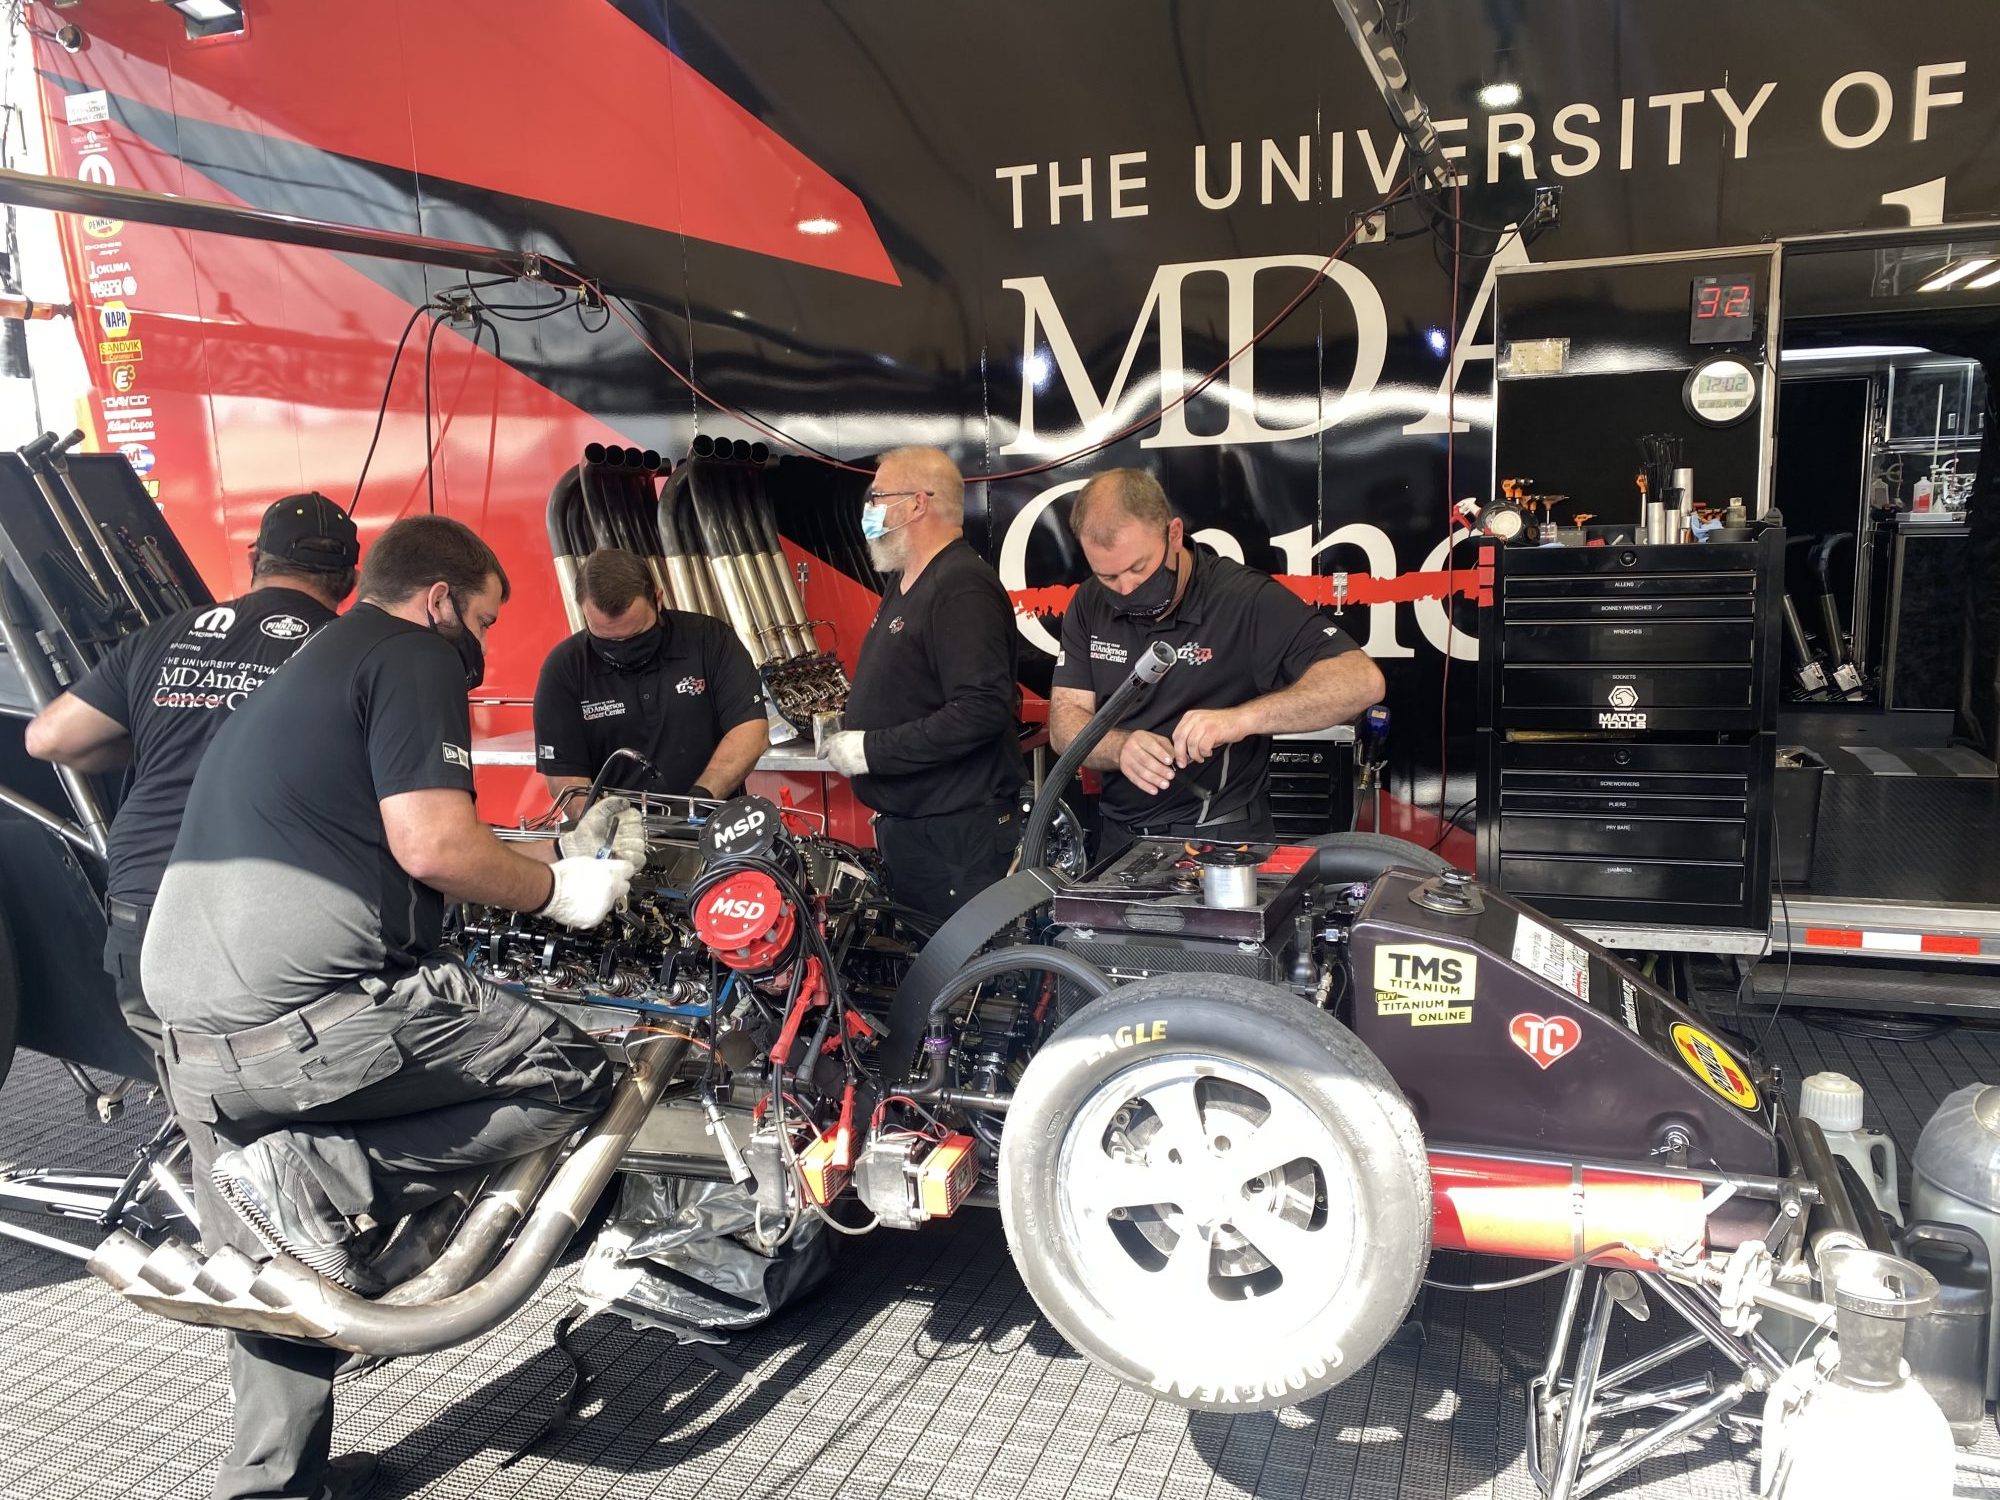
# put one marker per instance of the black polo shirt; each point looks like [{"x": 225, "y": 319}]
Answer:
[
  {"x": 1238, "y": 634},
  {"x": 935, "y": 691},
  {"x": 173, "y": 685},
  {"x": 282, "y": 886},
  {"x": 674, "y": 710}
]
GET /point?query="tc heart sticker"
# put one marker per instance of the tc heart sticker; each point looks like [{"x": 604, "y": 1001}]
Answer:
[{"x": 1547, "y": 1039}]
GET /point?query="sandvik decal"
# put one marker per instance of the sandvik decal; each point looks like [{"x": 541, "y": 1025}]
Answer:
[
  {"x": 1546, "y": 1039},
  {"x": 1433, "y": 986},
  {"x": 1711, "y": 1062}
]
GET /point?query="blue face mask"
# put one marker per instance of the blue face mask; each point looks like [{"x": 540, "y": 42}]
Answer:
[{"x": 875, "y": 516}]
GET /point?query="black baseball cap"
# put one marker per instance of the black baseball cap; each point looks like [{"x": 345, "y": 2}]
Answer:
[{"x": 311, "y": 531}]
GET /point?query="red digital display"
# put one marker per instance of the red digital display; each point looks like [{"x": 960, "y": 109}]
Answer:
[{"x": 1724, "y": 310}]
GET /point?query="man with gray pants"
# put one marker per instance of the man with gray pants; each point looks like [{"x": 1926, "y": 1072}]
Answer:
[{"x": 353, "y": 1071}]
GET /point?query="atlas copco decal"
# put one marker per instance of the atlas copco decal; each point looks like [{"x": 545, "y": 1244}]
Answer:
[{"x": 1623, "y": 698}]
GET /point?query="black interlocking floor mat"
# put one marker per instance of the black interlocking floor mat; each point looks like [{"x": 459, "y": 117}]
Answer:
[{"x": 923, "y": 1371}]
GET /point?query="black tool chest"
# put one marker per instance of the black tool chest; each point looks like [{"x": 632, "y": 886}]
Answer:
[
  {"x": 1628, "y": 718},
  {"x": 1311, "y": 786}
]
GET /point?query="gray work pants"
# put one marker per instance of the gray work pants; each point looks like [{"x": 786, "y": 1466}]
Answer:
[{"x": 388, "y": 1109}]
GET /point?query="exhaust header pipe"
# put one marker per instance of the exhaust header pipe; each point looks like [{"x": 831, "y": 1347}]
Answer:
[{"x": 433, "y": 1311}]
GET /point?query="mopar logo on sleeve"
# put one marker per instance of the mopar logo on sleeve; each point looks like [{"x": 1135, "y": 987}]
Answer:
[{"x": 1433, "y": 986}]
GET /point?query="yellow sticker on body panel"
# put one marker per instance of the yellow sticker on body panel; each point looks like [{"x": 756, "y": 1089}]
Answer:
[{"x": 1714, "y": 1065}]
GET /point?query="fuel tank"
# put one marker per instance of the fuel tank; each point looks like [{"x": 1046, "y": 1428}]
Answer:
[{"x": 1507, "y": 1031}]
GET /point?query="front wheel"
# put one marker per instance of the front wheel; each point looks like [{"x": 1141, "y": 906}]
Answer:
[{"x": 1216, "y": 1192}]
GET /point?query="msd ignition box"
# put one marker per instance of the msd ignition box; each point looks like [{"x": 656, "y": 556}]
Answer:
[
  {"x": 1145, "y": 913},
  {"x": 1506, "y": 1030}
]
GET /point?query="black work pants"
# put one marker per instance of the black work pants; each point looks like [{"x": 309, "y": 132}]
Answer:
[
  {"x": 937, "y": 864},
  {"x": 388, "y": 1108}
]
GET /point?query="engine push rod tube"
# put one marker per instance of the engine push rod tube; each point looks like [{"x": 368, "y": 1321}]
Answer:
[{"x": 1152, "y": 665}]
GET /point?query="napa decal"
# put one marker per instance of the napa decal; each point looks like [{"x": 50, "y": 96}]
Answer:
[
  {"x": 1430, "y": 985},
  {"x": 1712, "y": 1063}
]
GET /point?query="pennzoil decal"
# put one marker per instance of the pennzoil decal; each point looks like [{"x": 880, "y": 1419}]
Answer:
[
  {"x": 1712, "y": 1063},
  {"x": 1433, "y": 986}
]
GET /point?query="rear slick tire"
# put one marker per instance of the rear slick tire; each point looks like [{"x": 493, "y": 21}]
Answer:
[{"x": 1214, "y": 1191}]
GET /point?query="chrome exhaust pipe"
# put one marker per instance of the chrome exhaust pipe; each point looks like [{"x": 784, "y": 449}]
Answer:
[{"x": 436, "y": 1310}]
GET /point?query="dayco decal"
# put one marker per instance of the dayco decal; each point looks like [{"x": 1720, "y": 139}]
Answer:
[
  {"x": 1425, "y": 983},
  {"x": 1711, "y": 1062}
]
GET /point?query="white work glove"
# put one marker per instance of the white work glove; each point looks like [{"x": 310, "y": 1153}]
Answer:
[
  {"x": 612, "y": 821},
  {"x": 845, "y": 752},
  {"x": 586, "y": 889}
]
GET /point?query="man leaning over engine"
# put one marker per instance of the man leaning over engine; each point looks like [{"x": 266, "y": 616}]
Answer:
[{"x": 356, "y": 1072}]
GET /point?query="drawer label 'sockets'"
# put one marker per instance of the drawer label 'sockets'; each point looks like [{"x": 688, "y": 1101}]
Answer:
[
  {"x": 1565, "y": 964},
  {"x": 1432, "y": 986},
  {"x": 1712, "y": 1063}
]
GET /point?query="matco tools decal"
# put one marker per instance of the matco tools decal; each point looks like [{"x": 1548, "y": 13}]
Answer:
[
  {"x": 1711, "y": 1062},
  {"x": 1432, "y": 986}
]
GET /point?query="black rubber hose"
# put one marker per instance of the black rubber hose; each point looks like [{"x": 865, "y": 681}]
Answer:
[
  {"x": 1151, "y": 666},
  {"x": 1011, "y": 960},
  {"x": 1022, "y": 956},
  {"x": 1361, "y": 866}
]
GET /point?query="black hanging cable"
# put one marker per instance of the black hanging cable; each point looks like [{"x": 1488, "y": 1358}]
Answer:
[{"x": 382, "y": 407}]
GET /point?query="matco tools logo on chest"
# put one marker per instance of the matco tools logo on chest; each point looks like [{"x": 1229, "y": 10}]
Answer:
[
  {"x": 1195, "y": 654},
  {"x": 691, "y": 685}
]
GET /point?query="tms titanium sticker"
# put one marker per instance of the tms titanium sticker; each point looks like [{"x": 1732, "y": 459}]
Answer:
[{"x": 1432, "y": 986}]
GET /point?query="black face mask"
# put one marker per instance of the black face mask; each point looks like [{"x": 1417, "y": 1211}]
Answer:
[
  {"x": 1153, "y": 598},
  {"x": 470, "y": 652},
  {"x": 632, "y": 653}
]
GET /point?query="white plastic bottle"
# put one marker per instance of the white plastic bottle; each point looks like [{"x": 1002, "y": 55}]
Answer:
[{"x": 1834, "y": 1102}]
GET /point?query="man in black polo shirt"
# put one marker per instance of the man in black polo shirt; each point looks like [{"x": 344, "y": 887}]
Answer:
[
  {"x": 931, "y": 736},
  {"x": 1193, "y": 756},
  {"x": 311, "y": 1021},
  {"x": 675, "y": 686},
  {"x": 159, "y": 696}
]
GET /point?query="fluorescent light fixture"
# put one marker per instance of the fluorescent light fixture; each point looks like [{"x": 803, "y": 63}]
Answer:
[
  {"x": 1957, "y": 273},
  {"x": 207, "y": 10},
  {"x": 819, "y": 226},
  {"x": 1851, "y": 352},
  {"x": 1500, "y": 95},
  {"x": 1991, "y": 278}
]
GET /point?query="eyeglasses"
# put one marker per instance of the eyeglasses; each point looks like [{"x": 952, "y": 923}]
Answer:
[{"x": 876, "y": 497}]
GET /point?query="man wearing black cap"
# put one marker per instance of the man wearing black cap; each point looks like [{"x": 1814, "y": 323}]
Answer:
[{"x": 159, "y": 696}]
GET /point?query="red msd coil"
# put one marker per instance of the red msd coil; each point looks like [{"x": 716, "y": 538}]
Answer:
[{"x": 745, "y": 922}]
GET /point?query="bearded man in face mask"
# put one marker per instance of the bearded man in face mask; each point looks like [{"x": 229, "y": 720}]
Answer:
[
  {"x": 675, "y": 686},
  {"x": 1192, "y": 757},
  {"x": 932, "y": 728}
]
